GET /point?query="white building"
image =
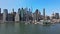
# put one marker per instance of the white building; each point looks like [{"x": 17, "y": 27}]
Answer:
[
  {"x": 17, "y": 18},
  {"x": 5, "y": 14}
]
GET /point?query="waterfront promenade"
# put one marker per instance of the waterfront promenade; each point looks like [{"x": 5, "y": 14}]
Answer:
[{"x": 53, "y": 21}]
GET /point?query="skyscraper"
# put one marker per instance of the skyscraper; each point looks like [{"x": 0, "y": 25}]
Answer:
[
  {"x": 19, "y": 10},
  {"x": 26, "y": 17},
  {"x": 1, "y": 15},
  {"x": 17, "y": 18},
  {"x": 57, "y": 15},
  {"x": 5, "y": 11},
  {"x": 13, "y": 9},
  {"x": 0, "y": 10},
  {"x": 53, "y": 16},
  {"x": 14, "y": 13},
  {"x": 5, "y": 15},
  {"x": 37, "y": 15},
  {"x": 44, "y": 13},
  {"x": 22, "y": 14}
]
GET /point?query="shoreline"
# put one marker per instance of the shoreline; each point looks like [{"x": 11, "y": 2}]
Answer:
[{"x": 27, "y": 22}]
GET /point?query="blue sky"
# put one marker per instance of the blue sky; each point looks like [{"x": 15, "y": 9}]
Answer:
[{"x": 49, "y": 5}]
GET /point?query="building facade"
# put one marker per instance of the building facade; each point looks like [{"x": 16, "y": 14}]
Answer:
[
  {"x": 5, "y": 15},
  {"x": 0, "y": 10},
  {"x": 17, "y": 18},
  {"x": 57, "y": 15},
  {"x": 44, "y": 13},
  {"x": 36, "y": 15}
]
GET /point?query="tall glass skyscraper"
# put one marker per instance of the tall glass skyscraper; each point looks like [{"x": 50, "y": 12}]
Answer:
[
  {"x": 0, "y": 10},
  {"x": 44, "y": 13},
  {"x": 5, "y": 15}
]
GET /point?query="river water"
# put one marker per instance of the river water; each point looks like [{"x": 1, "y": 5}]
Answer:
[{"x": 17, "y": 28}]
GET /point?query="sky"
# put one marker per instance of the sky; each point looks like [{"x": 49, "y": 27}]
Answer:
[{"x": 49, "y": 5}]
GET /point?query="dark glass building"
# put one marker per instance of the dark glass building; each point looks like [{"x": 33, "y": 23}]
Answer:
[{"x": 57, "y": 15}]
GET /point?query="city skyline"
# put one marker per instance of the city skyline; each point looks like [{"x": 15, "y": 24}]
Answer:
[{"x": 50, "y": 5}]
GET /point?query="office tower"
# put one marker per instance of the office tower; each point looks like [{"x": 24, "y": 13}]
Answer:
[
  {"x": 57, "y": 15},
  {"x": 19, "y": 10},
  {"x": 14, "y": 14},
  {"x": 17, "y": 18},
  {"x": 13, "y": 9},
  {"x": 1, "y": 15},
  {"x": 0, "y": 10},
  {"x": 37, "y": 15},
  {"x": 26, "y": 14},
  {"x": 22, "y": 14},
  {"x": 25, "y": 10},
  {"x": 44, "y": 13},
  {"x": 5, "y": 11},
  {"x": 52, "y": 16},
  {"x": 5, "y": 15},
  {"x": 30, "y": 14},
  {"x": 10, "y": 17}
]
